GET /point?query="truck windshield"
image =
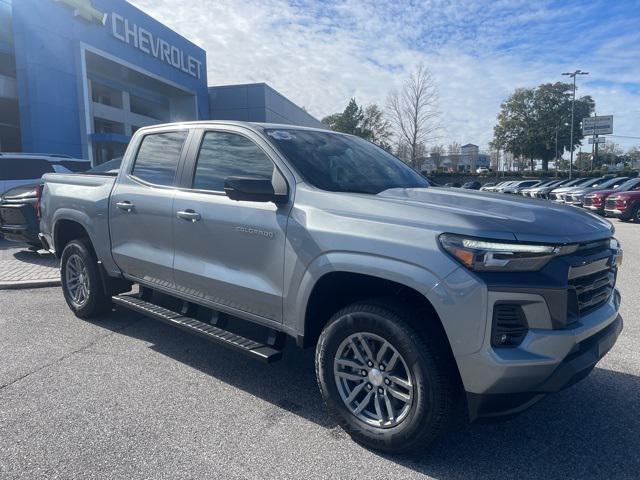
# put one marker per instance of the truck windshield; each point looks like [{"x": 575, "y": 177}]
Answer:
[{"x": 342, "y": 163}]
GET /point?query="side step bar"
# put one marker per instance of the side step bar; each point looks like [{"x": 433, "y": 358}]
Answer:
[{"x": 254, "y": 349}]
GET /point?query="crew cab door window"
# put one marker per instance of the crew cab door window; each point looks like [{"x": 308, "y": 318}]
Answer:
[
  {"x": 158, "y": 157},
  {"x": 224, "y": 155}
]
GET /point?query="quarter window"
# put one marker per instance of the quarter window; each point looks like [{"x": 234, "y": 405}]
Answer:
[
  {"x": 224, "y": 155},
  {"x": 158, "y": 157}
]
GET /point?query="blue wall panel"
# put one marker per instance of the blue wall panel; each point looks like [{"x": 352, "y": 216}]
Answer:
[{"x": 48, "y": 39}]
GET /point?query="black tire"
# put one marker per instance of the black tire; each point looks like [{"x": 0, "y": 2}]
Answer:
[
  {"x": 425, "y": 353},
  {"x": 636, "y": 213},
  {"x": 96, "y": 302}
]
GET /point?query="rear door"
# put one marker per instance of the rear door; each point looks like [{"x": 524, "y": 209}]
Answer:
[
  {"x": 141, "y": 208},
  {"x": 230, "y": 253}
]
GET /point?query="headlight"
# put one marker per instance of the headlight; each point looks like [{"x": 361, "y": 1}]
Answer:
[{"x": 496, "y": 256}]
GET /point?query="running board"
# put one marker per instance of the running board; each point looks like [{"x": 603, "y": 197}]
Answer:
[{"x": 254, "y": 349}]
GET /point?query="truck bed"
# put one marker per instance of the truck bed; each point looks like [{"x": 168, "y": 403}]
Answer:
[{"x": 83, "y": 198}]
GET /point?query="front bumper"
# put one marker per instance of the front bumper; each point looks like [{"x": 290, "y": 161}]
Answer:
[
  {"x": 582, "y": 358},
  {"x": 506, "y": 381},
  {"x": 594, "y": 208},
  {"x": 614, "y": 212}
]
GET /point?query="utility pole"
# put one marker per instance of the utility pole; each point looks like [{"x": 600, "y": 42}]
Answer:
[
  {"x": 573, "y": 103},
  {"x": 594, "y": 149},
  {"x": 556, "y": 157}
]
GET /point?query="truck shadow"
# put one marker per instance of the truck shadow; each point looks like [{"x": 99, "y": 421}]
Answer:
[{"x": 590, "y": 430}]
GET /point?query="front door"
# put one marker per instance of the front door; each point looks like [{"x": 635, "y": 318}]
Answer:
[
  {"x": 227, "y": 252},
  {"x": 141, "y": 209}
]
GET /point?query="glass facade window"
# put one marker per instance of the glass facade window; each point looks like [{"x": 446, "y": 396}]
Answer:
[
  {"x": 105, "y": 151},
  {"x": 100, "y": 125},
  {"x": 106, "y": 95},
  {"x": 149, "y": 108}
]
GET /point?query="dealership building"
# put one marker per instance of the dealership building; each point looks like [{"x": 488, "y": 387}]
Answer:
[{"x": 79, "y": 77}]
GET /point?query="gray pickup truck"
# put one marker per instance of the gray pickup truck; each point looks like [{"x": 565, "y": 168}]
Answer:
[{"x": 423, "y": 304}]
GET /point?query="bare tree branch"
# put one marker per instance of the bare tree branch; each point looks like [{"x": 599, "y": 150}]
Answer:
[{"x": 413, "y": 111}]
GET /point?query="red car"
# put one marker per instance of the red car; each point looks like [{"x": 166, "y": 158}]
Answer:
[
  {"x": 624, "y": 205},
  {"x": 595, "y": 201}
]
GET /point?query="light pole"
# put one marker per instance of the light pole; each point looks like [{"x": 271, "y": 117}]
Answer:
[
  {"x": 556, "y": 157},
  {"x": 573, "y": 102}
]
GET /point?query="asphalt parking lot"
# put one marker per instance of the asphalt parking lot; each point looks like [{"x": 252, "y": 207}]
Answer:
[{"x": 127, "y": 397}]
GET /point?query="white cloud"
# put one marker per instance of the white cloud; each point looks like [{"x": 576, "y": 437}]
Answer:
[{"x": 321, "y": 54}]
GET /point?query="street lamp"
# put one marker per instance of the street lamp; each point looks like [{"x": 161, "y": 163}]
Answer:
[
  {"x": 573, "y": 102},
  {"x": 556, "y": 157}
]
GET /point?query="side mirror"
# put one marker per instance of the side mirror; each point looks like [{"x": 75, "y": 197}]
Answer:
[{"x": 252, "y": 189}]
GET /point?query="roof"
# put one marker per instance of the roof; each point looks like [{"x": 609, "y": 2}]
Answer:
[{"x": 251, "y": 125}]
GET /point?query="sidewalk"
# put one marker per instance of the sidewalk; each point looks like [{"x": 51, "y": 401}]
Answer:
[{"x": 21, "y": 268}]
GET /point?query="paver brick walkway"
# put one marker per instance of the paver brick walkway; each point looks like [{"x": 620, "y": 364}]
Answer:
[{"x": 20, "y": 267}]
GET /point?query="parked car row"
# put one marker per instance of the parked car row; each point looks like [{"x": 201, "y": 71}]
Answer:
[{"x": 607, "y": 195}]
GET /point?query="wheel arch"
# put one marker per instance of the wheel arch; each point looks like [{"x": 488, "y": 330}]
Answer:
[
  {"x": 337, "y": 279},
  {"x": 337, "y": 289},
  {"x": 66, "y": 230}
]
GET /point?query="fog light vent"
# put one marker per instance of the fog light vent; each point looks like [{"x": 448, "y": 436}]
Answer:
[{"x": 509, "y": 325}]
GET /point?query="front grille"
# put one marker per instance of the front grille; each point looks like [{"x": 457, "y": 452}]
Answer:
[
  {"x": 592, "y": 291},
  {"x": 610, "y": 204},
  {"x": 590, "y": 248},
  {"x": 587, "y": 202}
]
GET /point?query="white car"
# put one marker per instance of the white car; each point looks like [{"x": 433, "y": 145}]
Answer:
[
  {"x": 482, "y": 170},
  {"x": 24, "y": 168}
]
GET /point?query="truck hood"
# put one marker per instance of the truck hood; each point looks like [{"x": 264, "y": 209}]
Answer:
[{"x": 498, "y": 216}]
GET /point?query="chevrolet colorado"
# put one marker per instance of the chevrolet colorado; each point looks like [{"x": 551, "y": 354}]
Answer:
[{"x": 423, "y": 304}]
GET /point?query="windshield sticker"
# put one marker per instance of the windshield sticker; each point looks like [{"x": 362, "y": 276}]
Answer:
[{"x": 280, "y": 135}]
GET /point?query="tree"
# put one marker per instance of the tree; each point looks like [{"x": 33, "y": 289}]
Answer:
[
  {"x": 529, "y": 118},
  {"x": 633, "y": 157},
  {"x": 454, "y": 155},
  {"x": 413, "y": 112},
  {"x": 348, "y": 121},
  {"x": 368, "y": 123},
  {"x": 494, "y": 158},
  {"x": 375, "y": 128},
  {"x": 609, "y": 154},
  {"x": 437, "y": 155}
]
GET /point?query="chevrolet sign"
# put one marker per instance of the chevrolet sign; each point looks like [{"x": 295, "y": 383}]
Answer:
[{"x": 145, "y": 41}]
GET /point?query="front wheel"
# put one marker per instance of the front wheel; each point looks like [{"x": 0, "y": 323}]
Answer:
[
  {"x": 81, "y": 282},
  {"x": 389, "y": 386}
]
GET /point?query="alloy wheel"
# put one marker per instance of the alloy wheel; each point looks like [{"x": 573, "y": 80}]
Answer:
[
  {"x": 373, "y": 380},
  {"x": 77, "y": 280}
]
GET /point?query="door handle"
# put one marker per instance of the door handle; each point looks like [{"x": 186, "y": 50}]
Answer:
[
  {"x": 188, "y": 215},
  {"x": 127, "y": 206}
]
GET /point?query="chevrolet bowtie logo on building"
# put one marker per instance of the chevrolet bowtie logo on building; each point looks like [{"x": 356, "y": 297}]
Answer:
[{"x": 85, "y": 10}]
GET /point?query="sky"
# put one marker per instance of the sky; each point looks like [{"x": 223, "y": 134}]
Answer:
[{"x": 320, "y": 54}]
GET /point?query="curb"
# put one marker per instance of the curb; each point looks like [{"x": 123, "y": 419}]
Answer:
[{"x": 47, "y": 282}]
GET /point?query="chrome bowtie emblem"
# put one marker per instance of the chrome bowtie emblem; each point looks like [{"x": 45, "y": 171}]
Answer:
[{"x": 85, "y": 10}]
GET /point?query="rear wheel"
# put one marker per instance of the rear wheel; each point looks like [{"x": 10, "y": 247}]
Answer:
[
  {"x": 389, "y": 386},
  {"x": 81, "y": 282},
  {"x": 636, "y": 213}
]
